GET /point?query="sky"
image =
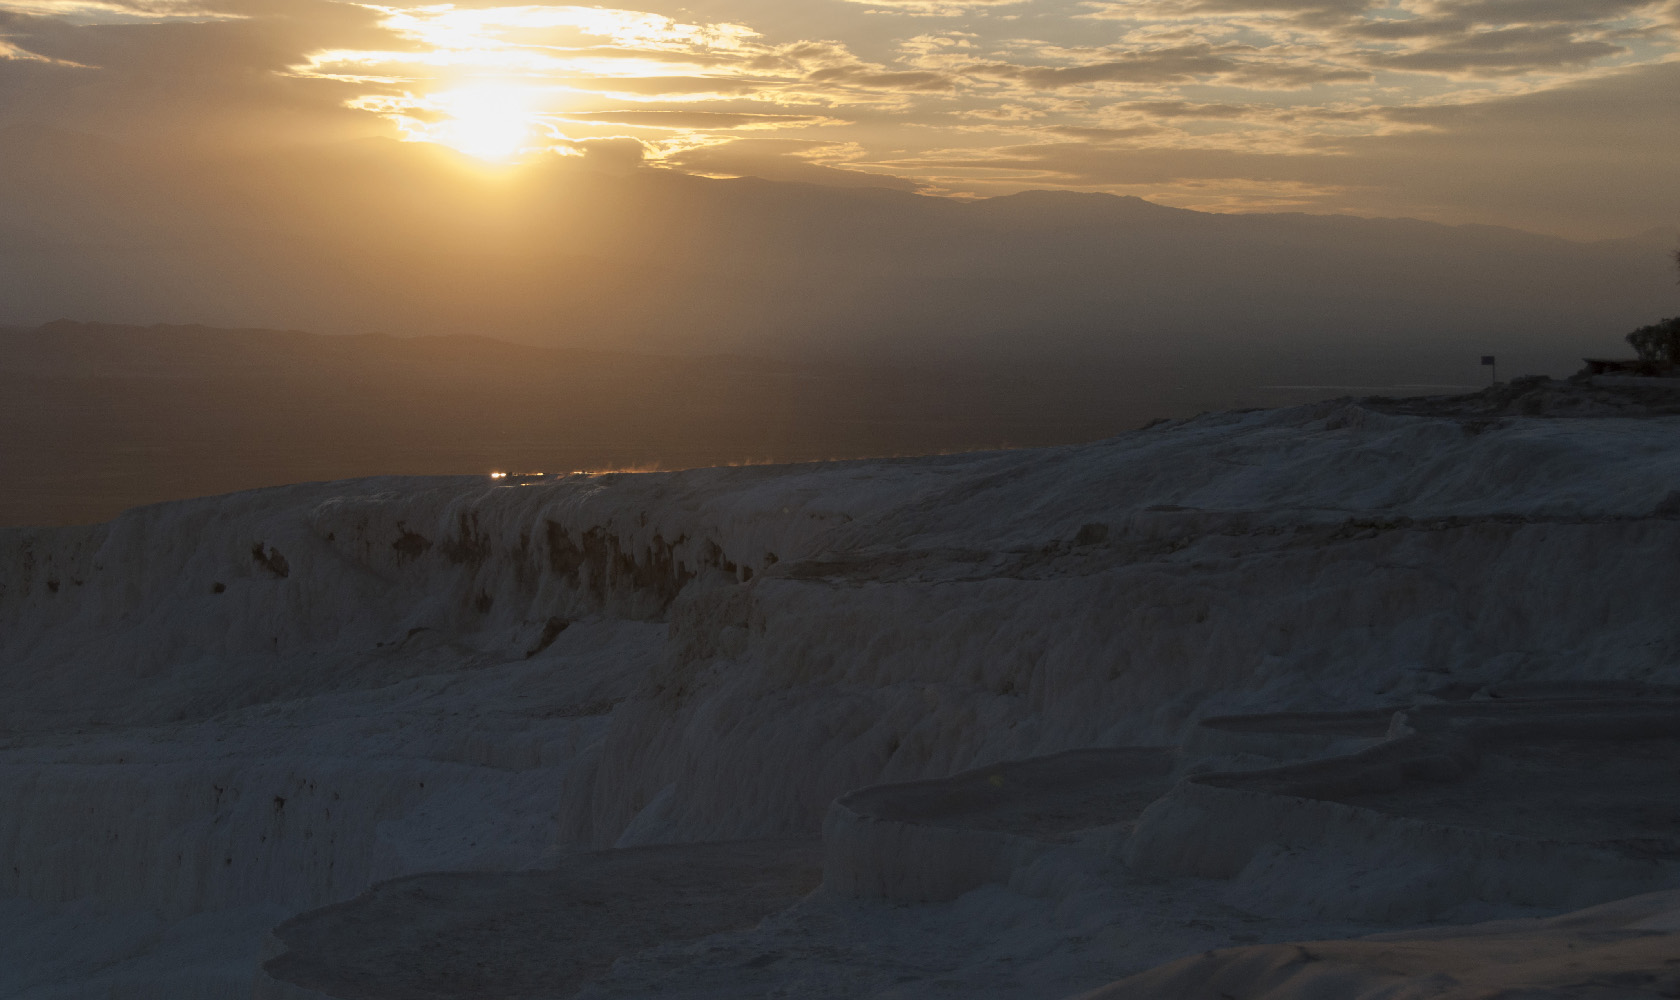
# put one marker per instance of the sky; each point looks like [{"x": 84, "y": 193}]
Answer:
[{"x": 1558, "y": 116}]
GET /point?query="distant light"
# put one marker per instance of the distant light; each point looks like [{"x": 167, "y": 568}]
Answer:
[{"x": 498, "y": 475}]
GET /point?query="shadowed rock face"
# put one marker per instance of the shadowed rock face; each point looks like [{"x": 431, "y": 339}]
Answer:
[
  {"x": 531, "y": 934},
  {"x": 1619, "y": 951},
  {"x": 1544, "y": 802},
  {"x": 1047, "y": 798},
  {"x": 407, "y": 689},
  {"x": 938, "y": 839},
  {"x": 1567, "y": 769},
  {"x": 1546, "y": 798}
]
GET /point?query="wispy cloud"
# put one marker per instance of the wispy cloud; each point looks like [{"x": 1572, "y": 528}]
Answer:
[
  {"x": 937, "y": 8},
  {"x": 1196, "y": 102},
  {"x": 116, "y": 12},
  {"x": 13, "y": 52}
]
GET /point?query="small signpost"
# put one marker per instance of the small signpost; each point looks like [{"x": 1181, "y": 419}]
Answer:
[{"x": 1488, "y": 361}]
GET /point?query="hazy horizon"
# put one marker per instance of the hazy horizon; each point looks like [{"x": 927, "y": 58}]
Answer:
[
  {"x": 101, "y": 418},
  {"x": 1054, "y": 219}
]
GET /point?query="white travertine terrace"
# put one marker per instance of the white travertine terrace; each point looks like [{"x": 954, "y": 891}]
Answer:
[{"x": 220, "y": 712}]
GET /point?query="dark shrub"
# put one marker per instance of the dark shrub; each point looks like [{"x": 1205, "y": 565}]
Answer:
[{"x": 1658, "y": 342}]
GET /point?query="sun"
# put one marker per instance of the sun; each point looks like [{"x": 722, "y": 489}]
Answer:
[{"x": 487, "y": 122}]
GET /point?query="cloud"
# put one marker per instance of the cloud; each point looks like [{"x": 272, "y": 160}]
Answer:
[
  {"x": 670, "y": 87},
  {"x": 1488, "y": 38},
  {"x": 1186, "y": 109},
  {"x": 1277, "y": 74},
  {"x": 1210, "y": 102},
  {"x": 176, "y": 81},
  {"x": 618, "y": 153},
  {"x": 116, "y": 12},
  {"x": 1157, "y": 66},
  {"x": 1591, "y": 157},
  {"x": 1102, "y": 135},
  {"x": 10, "y": 51},
  {"x": 1504, "y": 51},
  {"x": 1311, "y": 9},
  {"x": 937, "y": 8},
  {"x": 1177, "y": 64},
  {"x": 799, "y": 161},
  {"x": 15, "y": 53},
  {"x": 699, "y": 120},
  {"x": 1505, "y": 12},
  {"x": 1307, "y": 12},
  {"x": 878, "y": 79}
]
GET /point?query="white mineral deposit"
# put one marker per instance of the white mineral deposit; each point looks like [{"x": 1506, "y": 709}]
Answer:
[{"x": 1353, "y": 699}]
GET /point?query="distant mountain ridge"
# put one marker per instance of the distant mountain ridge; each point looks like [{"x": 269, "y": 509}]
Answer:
[
  {"x": 564, "y": 315},
  {"x": 378, "y": 235},
  {"x": 70, "y": 348},
  {"x": 99, "y": 417}
]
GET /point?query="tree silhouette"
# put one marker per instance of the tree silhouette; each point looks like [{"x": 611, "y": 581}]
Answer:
[{"x": 1659, "y": 343}]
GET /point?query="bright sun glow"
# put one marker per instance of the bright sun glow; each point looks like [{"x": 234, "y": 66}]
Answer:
[
  {"x": 506, "y": 74},
  {"x": 489, "y": 122}
]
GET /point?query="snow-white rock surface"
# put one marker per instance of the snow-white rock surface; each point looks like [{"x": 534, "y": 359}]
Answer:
[{"x": 274, "y": 699}]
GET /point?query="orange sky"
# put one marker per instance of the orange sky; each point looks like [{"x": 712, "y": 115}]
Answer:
[{"x": 1553, "y": 115}]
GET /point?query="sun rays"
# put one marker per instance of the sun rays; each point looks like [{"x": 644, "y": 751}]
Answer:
[{"x": 489, "y": 121}]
